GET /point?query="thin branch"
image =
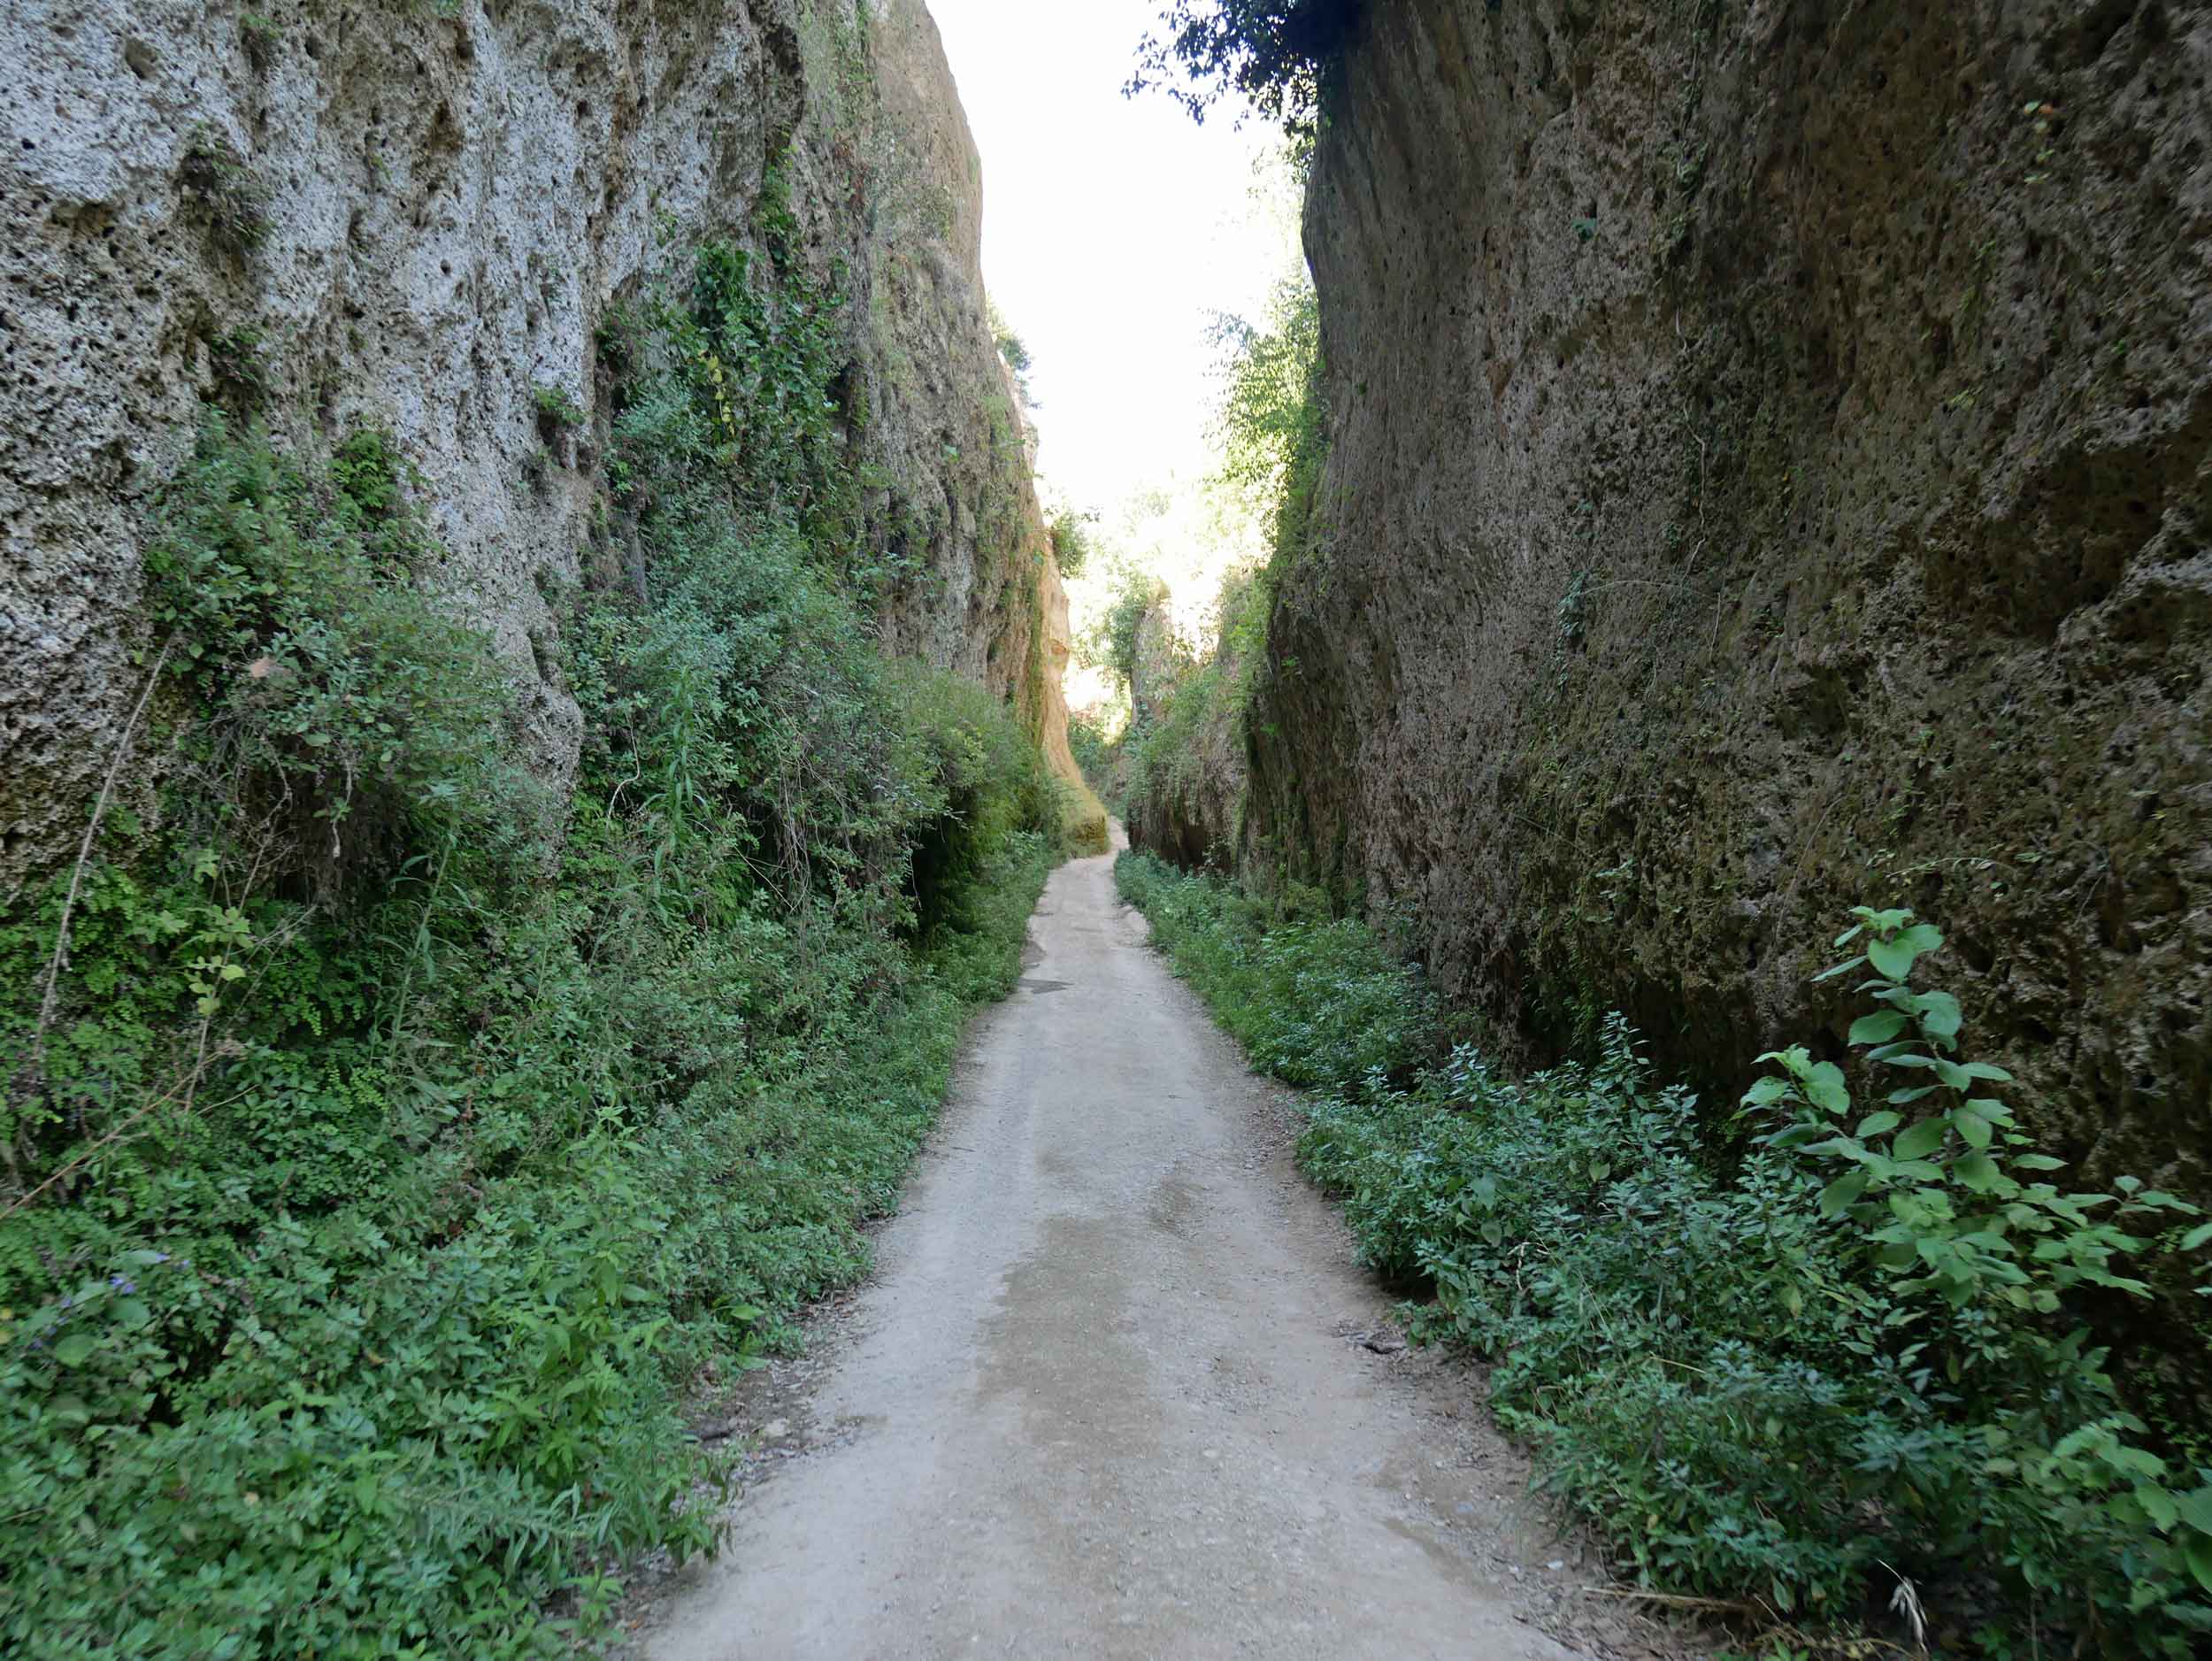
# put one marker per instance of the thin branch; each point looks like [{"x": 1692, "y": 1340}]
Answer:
[{"x": 35, "y": 1061}]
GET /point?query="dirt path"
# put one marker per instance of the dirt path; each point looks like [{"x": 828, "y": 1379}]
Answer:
[{"x": 1108, "y": 1395}]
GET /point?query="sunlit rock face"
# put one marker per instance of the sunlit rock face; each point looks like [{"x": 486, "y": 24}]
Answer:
[
  {"x": 393, "y": 218},
  {"x": 1771, "y": 473}
]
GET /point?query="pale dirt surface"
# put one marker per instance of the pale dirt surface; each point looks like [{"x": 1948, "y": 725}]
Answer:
[{"x": 1108, "y": 1396}]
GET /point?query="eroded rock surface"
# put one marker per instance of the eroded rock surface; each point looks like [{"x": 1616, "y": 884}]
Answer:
[
  {"x": 1772, "y": 472},
  {"x": 381, "y": 216}
]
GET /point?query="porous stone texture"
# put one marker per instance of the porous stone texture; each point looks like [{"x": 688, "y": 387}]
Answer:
[
  {"x": 401, "y": 218},
  {"x": 1771, "y": 471},
  {"x": 948, "y": 433}
]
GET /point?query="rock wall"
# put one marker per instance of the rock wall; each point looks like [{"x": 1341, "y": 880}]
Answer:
[
  {"x": 1772, "y": 470},
  {"x": 414, "y": 217},
  {"x": 960, "y": 508},
  {"x": 1186, "y": 776}
]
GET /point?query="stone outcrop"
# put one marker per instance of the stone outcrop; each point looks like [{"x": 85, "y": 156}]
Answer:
[
  {"x": 1771, "y": 471},
  {"x": 414, "y": 217}
]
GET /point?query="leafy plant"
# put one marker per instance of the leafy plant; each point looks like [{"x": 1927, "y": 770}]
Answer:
[
  {"x": 557, "y": 407},
  {"x": 1014, "y": 351},
  {"x": 235, "y": 204},
  {"x": 1790, "y": 1371},
  {"x": 1275, "y": 54},
  {"x": 1072, "y": 542},
  {"x": 1273, "y": 420},
  {"x": 1951, "y": 1207},
  {"x": 398, "y": 1155},
  {"x": 262, "y": 38},
  {"x": 241, "y": 369}
]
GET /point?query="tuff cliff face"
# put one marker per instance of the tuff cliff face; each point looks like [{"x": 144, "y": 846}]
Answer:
[
  {"x": 959, "y": 508},
  {"x": 415, "y": 219},
  {"x": 1183, "y": 800},
  {"x": 1771, "y": 471}
]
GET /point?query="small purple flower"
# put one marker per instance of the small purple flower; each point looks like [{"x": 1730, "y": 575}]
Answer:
[
  {"x": 122, "y": 1283},
  {"x": 66, "y": 1300},
  {"x": 163, "y": 1257}
]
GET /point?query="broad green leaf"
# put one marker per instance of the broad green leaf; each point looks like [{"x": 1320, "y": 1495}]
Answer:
[
  {"x": 1906, "y": 1097},
  {"x": 1921, "y": 1141},
  {"x": 1939, "y": 1014},
  {"x": 2199, "y": 1552},
  {"x": 1824, "y": 1088},
  {"x": 2135, "y": 1461},
  {"x": 1764, "y": 1091},
  {"x": 74, "y": 1349},
  {"x": 1841, "y": 968},
  {"x": 1977, "y": 1171},
  {"x": 1973, "y": 1126},
  {"x": 2038, "y": 1162},
  {"x": 2196, "y": 1236},
  {"x": 1875, "y": 1124},
  {"x": 1892, "y": 958},
  {"x": 1878, "y": 1028},
  {"x": 1840, "y": 1196},
  {"x": 1922, "y": 936},
  {"x": 1795, "y": 1135},
  {"x": 1984, "y": 1070},
  {"x": 2196, "y": 1509}
]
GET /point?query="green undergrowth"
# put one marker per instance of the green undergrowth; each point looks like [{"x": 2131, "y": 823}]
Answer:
[
  {"x": 1272, "y": 423},
  {"x": 404, "y": 1143},
  {"x": 1804, "y": 1357}
]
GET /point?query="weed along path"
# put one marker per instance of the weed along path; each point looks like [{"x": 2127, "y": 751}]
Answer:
[{"x": 1112, "y": 1392}]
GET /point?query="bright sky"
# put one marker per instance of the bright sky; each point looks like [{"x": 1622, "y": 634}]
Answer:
[{"x": 1113, "y": 230}]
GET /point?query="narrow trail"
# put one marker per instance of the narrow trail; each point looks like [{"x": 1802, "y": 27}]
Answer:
[{"x": 1107, "y": 1395}]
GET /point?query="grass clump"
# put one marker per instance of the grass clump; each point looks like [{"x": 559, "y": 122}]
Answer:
[{"x": 1796, "y": 1366}]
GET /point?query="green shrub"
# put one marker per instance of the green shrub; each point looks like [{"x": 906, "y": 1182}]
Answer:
[
  {"x": 1316, "y": 1001},
  {"x": 399, "y": 1153},
  {"x": 1753, "y": 1375},
  {"x": 1273, "y": 427},
  {"x": 1277, "y": 54},
  {"x": 1071, "y": 541},
  {"x": 1273, "y": 423},
  {"x": 1093, "y": 748},
  {"x": 988, "y": 784},
  {"x": 1111, "y": 642}
]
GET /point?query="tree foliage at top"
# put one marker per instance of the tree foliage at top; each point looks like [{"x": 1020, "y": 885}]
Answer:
[{"x": 1274, "y": 53}]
